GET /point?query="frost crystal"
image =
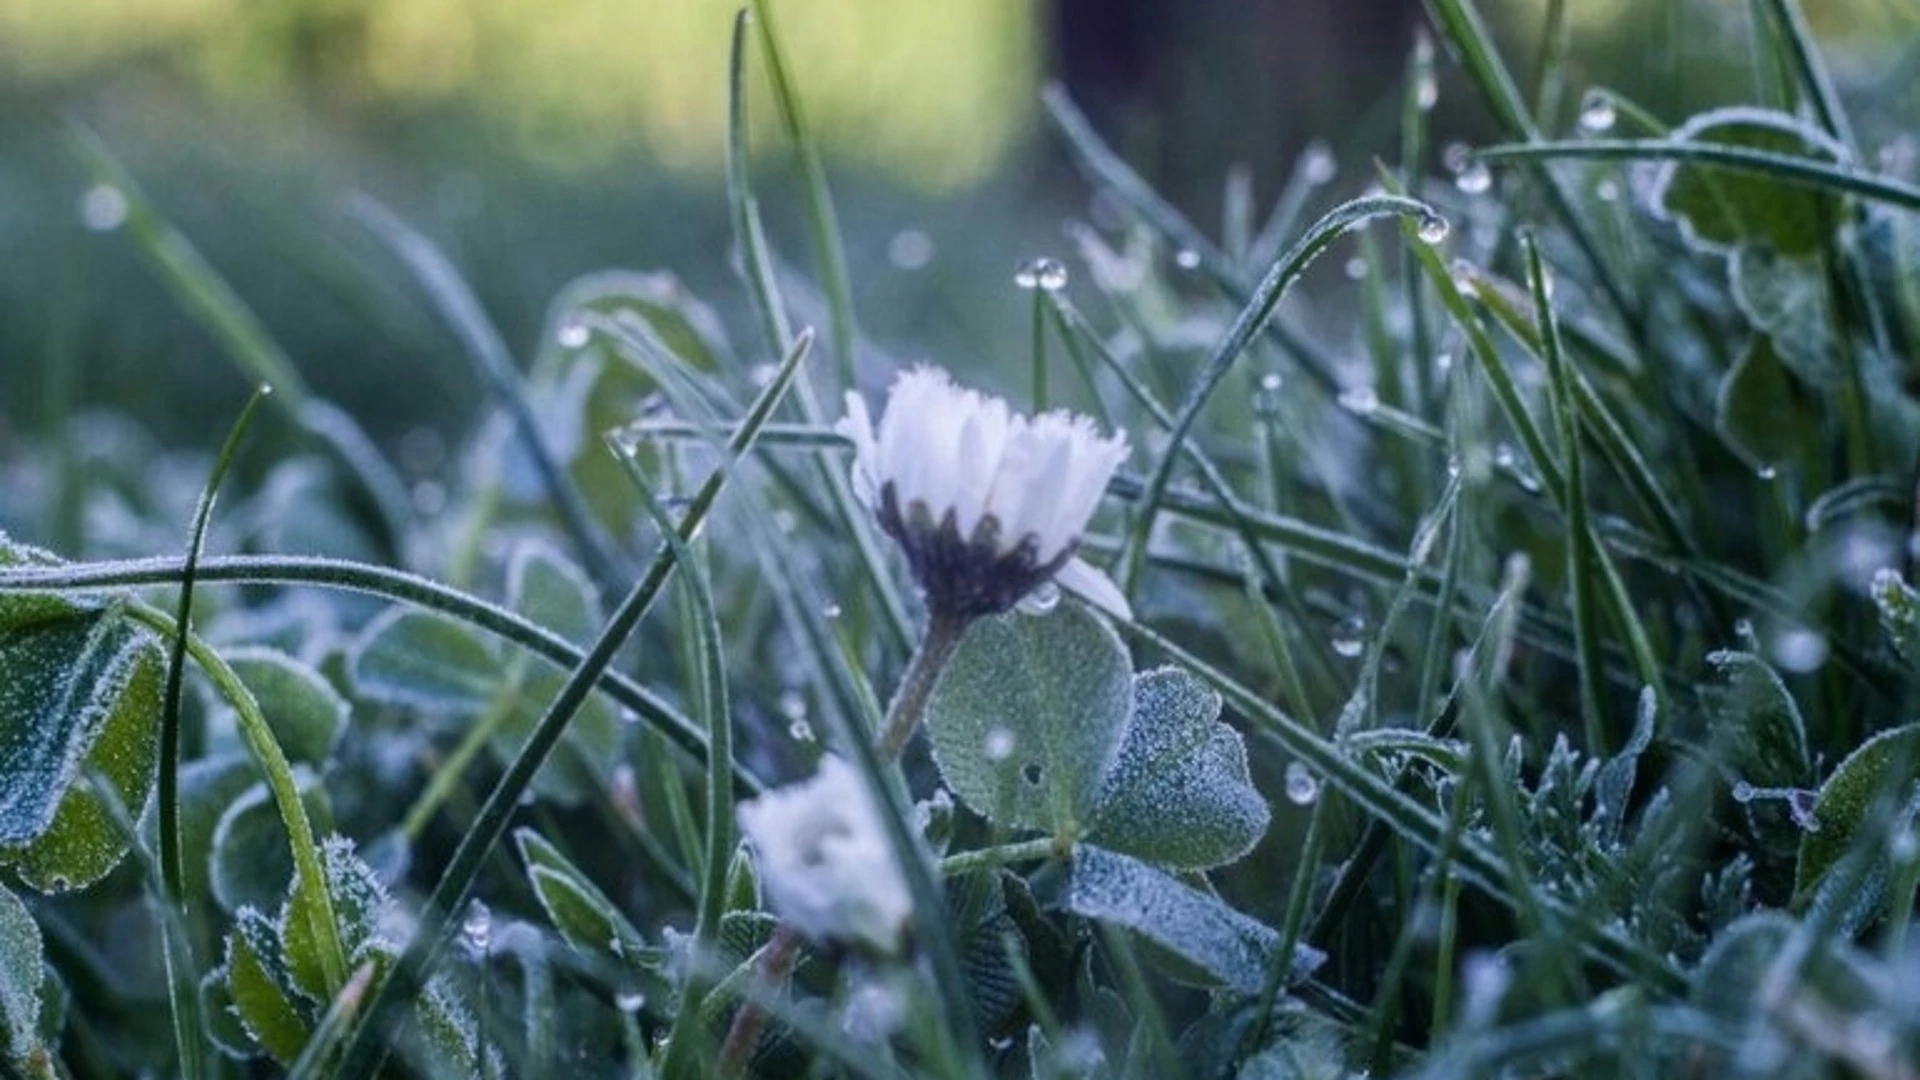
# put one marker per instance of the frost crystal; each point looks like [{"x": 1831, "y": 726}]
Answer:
[
  {"x": 988, "y": 504},
  {"x": 823, "y": 857}
]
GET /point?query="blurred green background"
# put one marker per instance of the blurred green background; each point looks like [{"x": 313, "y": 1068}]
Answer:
[{"x": 538, "y": 141}]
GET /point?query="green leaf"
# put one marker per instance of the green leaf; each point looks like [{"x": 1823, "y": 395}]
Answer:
[
  {"x": 1718, "y": 209},
  {"x": 1786, "y": 299},
  {"x": 21, "y": 960},
  {"x": 418, "y": 660},
  {"x": 553, "y": 593},
  {"x": 1232, "y": 950},
  {"x": 304, "y": 710},
  {"x": 19, "y": 609},
  {"x": 357, "y": 900},
  {"x": 1844, "y": 802},
  {"x": 1179, "y": 794},
  {"x": 221, "y": 1019},
  {"x": 1754, "y": 716},
  {"x": 250, "y": 864},
  {"x": 1028, "y": 716},
  {"x": 582, "y": 914},
  {"x": 258, "y": 983},
  {"x": 79, "y": 697},
  {"x": 1758, "y": 410},
  {"x": 1899, "y": 607}
]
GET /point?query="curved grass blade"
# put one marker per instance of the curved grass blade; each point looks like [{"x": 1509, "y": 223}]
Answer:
[
  {"x": 1252, "y": 318},
  {"x": 718, "y": 715},
  {"x": 183, "y": 978},
  {"x": 1799, "y": 171}
]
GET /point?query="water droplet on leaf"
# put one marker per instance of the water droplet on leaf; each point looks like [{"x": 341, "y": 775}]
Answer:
[
  {"x": 999, "y": 744},
  {"x": 1359, "y": 400},
  {"x": 1042, "y": 600}
]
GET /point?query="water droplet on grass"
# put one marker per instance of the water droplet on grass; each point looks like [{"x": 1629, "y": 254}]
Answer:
[
  {"x": 571, "y": 335},
  {"x": 476, "y": 930},
  {"x": 1597, "y": 113},
  {"x": 1359, "y": 400},
  {"x": 1043, "y": 273},
  {"x": 1742, "y": 792},
  {"x": 1317, "y": 163},
  {"x": 1349, "y": 637},
  {"x": 1433, "y": 228},
  {"x": 1356, "y": 268},
  {"x": 1302, "y": 787},
  {"x": 1186, "y": 259},
  {"x": 1475, "y": 179},
  {"x": 629, "y": 1001},
  {"x": 1271, "y": 381}
]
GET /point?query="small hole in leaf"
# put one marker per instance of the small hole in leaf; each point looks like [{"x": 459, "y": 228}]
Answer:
[{"x": 1032, "y": 773}]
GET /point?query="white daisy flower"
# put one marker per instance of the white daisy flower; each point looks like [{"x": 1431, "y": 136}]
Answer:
[
  {"x": 987, "y": 503},
  {"x": 824, "y": 861}
]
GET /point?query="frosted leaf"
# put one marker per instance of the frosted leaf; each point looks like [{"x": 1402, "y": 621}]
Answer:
[
  {"x": 584, "y": 916},
  {"x": 1060, "y": 687},
  {"x": 1227, "y": 948},
  {"x": 79, "y": 697},
  {"x": 1179, "y": 794},
  {"x": 20, "y": 976},
  {"x": 1750, "y": 711},
  {"x": 304, "y": 710},
  {"x": 416, "y": 660}
]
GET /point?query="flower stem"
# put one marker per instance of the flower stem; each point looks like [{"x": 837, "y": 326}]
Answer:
[
  {"x": 1046, "y": 847},
  {"x": 916, "y": 686},
  {"x": 776, "y": 963}
]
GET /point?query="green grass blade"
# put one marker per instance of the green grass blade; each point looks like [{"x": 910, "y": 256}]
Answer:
[
  {"x": 1251, "y": 320},
  {"x": 830, "y": 255},
  {"x": 1786, "y": 168},
  {"x": 183, "y": 983}
]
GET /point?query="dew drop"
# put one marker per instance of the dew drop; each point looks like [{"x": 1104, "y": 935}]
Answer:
[
  {"x": 1360, "y": 400},
  {"x": 1606, "y": 191},
  {"x": 1433, "y": 228},
  {"x": 1186, "y": 259},
  {"x": 1504, "y": 456},
  {"x": 1903, "y": 847},
  {"x": 1356, "y": 268},
  {"x": 476, "y": 930},
  {"x": 1597, "y": 114},
  {"x": 1443, "y": 363},
  {"x": 103, "y": 208},
  {"x": 910, "y": 249},
  {"x": 1767, "y": 472},
  {"x": 1464, "y": 278},
  {"x": 1317, "y": 164},
  {"x": 1742, "y": 792},
  {"x": 793, "y": 704},
  {"x": 629, "y": 1001},
  {"x": 1043, "y": 273},
  {"x": 800, "y": 731},
  {"x": 1455, "y": 156},
  {"x": 1042, "y": 600},
  {"x": 1426, "y": 92},
  {"x": 571, "y": 335},
  {"x": 1475, "y": 179},
  {"x": 998, "y": 745},
  {"x": 1349, "y": 637},
  {"x": 1302, "y": 787},
  {"x": 1270, "y": 382},
  {"x": 1799, "y": 650},
  {"x": 830, "y": 611},
  {"x": 1000, "y": 1044}
]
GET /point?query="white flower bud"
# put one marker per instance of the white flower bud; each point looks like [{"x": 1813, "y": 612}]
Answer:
[{"x": 824, "y": 860}]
